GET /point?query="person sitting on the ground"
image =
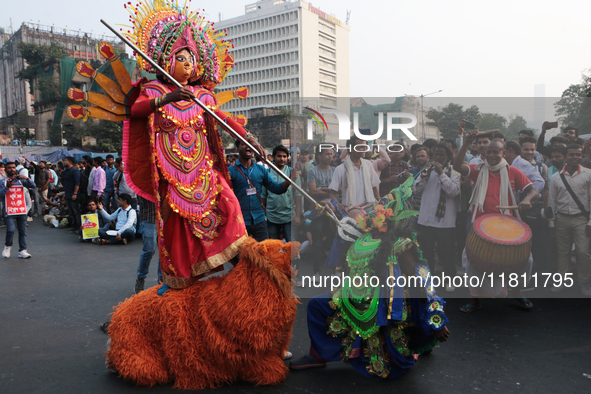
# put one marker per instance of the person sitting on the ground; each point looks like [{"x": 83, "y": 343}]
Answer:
[
  {"x": 91, "y": 209},
  {"x": 56, "y": 207},
  {"x": 125, "y": 217}
]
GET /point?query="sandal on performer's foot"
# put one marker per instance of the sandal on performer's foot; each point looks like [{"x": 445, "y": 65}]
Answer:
[
  {"x": 469, "y": 308},
  {"x": 163, "y": 289},
  {"x": 306, "y": 362}
]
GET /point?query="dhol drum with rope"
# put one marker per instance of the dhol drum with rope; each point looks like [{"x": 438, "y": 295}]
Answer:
[{"x": 499, "y": 244}]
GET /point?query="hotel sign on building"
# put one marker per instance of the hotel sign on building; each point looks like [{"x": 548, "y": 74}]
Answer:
[
  {"x": 323, "y": 15},
  {"x": 285, "y": 51}
]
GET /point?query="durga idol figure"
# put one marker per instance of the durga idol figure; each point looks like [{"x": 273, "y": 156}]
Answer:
[{"x": 172, "y": 149}]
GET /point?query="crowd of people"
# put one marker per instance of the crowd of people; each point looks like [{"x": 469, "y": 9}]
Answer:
[
  {"x": 551, "y": 186},
  {"x": 447, "y": 191},
  {"x": 63, "y": 193}
]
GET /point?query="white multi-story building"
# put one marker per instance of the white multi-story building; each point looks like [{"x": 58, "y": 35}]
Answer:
[{"x": 286, "y": 51}]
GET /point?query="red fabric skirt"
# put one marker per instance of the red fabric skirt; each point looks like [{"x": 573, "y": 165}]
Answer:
[{"x": 186, "y": 257}]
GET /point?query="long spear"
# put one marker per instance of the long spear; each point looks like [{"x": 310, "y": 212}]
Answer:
[{"x": 345, "y": 225}]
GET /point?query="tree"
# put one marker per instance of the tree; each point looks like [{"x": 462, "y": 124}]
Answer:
[
  {"x": 109, "y": 135},
  {"x": 492, "y": 121},
  {"x": 448, "y": 118},
  {"x": 574, "y": 107},
  {"x": 38, "y": 55},
  {"x": 319, "y": 137},
  {"x": 227, "y": 139},
  {"x": 516, "y": 124}
]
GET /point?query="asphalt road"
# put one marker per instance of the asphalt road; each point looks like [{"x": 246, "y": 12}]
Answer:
[{"x": 51, "y": 307}]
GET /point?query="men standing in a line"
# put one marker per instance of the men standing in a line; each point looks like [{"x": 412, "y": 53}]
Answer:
[
  {"x": 54, "y": 180},
  {"x": 14, "y": 222},
  {"x": 440, "y": 188},
  {"x": 99, "y": 180},
  {"x": 71, "y": 182},
  {"x": 319, "y": 177},
  {"x": 32, "y": 175},
  {"x": 109, "y": 196},
  {"x": 280, "y": 210},
  {"x": 42, "y": 177},
  {"x": 570, "y": 198},
  {"x": 247, "y": 182}
]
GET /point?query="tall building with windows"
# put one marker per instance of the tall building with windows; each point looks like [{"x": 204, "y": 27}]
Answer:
[
  {"x": 15, "y": 94},
  {"x": 285, "y": 51}
]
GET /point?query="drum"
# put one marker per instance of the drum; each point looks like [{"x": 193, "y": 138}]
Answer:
[{"x": 498, "y": 243}]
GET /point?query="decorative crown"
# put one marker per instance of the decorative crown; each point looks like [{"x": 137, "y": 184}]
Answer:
[{"x": 161, "y": 28}]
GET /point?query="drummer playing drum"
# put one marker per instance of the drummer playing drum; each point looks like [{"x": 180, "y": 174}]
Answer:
[{"x": 487, "y": 196}]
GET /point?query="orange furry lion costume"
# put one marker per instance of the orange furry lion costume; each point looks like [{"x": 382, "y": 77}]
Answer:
[{"x": 218, "y": 331}]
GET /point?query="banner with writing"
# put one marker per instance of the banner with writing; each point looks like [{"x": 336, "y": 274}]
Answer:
[
  {"x": 90, "y": 226},
  {"x": 15, "y": 201}
]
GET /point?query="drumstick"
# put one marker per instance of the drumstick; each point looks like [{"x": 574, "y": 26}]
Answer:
[{"x": 508, "y": 207}]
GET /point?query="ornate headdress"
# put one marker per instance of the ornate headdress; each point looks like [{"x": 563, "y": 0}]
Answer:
[{"x": 161, "y": 28}]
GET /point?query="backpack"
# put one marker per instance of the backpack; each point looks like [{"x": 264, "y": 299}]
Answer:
[{"x": 136, "y": 225}]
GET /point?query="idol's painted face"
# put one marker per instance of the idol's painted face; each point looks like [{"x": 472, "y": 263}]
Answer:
[{"x": 183, "y": 66}]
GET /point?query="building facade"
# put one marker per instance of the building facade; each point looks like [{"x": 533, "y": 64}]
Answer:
[
  {"x": 16, "y": 96},
  {"x": 286, "y": 51}
]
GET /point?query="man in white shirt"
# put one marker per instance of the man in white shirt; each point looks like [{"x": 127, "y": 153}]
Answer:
[
  {"x": 356, "y": 178},
  {"x": 513, "y": 157},
  {"x": 572, "y": 223},
  {"x": 21, "y": 170},
  {"x": 440, "y": 189},
  {"x": 125, "y": 227}
]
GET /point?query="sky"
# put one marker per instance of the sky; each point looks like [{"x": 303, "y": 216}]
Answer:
[{"x": 464, "y": 48}]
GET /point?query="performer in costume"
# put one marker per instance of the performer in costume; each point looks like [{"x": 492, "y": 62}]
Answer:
[
  {"x": 172, "y": 150},
  {"x": 495, "y": 182},
  {"x": 379, "y": 330}
]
